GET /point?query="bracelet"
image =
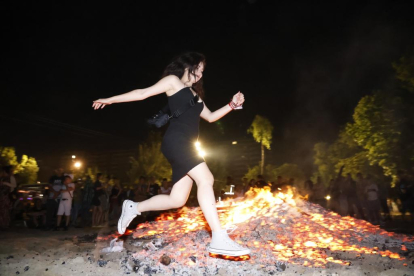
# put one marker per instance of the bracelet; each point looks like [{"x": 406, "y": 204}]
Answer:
[{"x": 232, "y": 105}]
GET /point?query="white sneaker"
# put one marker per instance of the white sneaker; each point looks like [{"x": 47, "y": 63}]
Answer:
[
  {"x": 129, "y": 212},
  {"x": 223, "y": 245}
]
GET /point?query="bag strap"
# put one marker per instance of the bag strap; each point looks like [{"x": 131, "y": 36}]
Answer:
[{"x": 184, "y": 107}]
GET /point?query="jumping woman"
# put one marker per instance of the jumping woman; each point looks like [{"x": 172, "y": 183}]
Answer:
[{"x": 182, "y": 81}]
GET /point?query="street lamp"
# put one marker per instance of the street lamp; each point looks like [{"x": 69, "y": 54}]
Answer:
[
  {"x": 73, "y": 156},
  {"x": 78, "y": 165}
]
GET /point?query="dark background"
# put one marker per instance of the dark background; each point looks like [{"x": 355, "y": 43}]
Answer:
[{"x": 303, "y": 65}]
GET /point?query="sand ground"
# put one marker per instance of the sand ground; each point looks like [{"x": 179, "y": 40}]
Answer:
[{"x": 26, "y": 251}]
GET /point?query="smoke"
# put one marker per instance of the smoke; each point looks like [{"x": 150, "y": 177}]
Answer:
[{"x": 332, "y": 77}]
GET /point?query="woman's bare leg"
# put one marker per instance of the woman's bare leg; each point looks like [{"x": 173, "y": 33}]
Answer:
[
  {"x": 177, "y": 198},
  {"x": 205, "y": 194},
  {"x": 220, "y": 241},
  {"x": 180, "y": 192}
]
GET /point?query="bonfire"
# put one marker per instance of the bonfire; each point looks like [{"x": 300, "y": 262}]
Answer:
[{"x": 282, "y": 231}]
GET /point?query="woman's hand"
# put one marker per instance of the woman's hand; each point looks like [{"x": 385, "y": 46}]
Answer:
[
  {"x": 101, "y": 103},
  {"x": 238, "y": 99}
]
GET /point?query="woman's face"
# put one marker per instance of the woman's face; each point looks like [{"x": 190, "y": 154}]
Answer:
[{"x": 198, "y": 73}]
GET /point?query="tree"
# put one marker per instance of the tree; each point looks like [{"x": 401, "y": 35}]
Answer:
[
  {"x": 252, "y": 173},
  {"x": 27, "y": 167},
  {"x": 261, "y": 129},
  {"x": 404, "y": 71},
  {"x": 323, "y": 162},
  {"x": 27, "y": 170},
  {"x": 380, "y": 138},
  {"x": 344, "y": 151},
  {"x": 8, "y": 156},
  {"x": 150, "y": 160},
  {"x": 286, "y": 170},
  {"x": 377, "y": 127}
]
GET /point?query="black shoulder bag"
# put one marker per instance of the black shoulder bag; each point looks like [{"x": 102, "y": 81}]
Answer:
[{"x": 162, "y": 117}]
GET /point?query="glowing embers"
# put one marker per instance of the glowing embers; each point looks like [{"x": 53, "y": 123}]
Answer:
[
  {"x": 230, "y": 258},
  {"x": 276, "y": 227}
]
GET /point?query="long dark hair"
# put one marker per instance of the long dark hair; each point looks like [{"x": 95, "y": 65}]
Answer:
[{"x": 189, "y": 60}]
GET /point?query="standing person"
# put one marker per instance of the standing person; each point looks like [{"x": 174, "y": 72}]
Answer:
[
  {"x": 318, "y": 193},
  {"x": 405, "y": 192},
  {"x": 11, "y": 180},
  {"x": 238, "y": 190},
  {"x": 308, "y": 189},
  {"x": 245, "y": 183},
  {"x": 128, "y": 193},
  {"x": 278, "y": 185},
  {"x": 352, "y": 200},
  {"x": 330, "y": 205},
  {"x": 54, "y": 196},
  {"x": 77, "y": 203},
  {"x": 96, "y": 203},
  {"x": 153, "y": 188},
  {"x": 114, "y": 199},
  {"x": 373, "y": 203},
  {"x": 104, "y": 200},
  {"x": 361, "y": 183},
  {"x": 65, "y": 204},
  {"x": 251, "y": 185},
  {"x": 182, "y": 81},
  {"x": 5, "y": 204},
  {"x": 383, "y": 191},
  {"x": 141, "y": 193},
  {"x": 335, "y": 193},
  {"x": 260, "y": 181},
  {"x": 87, "y": 197},
  {"x": 165, "y": 187}
]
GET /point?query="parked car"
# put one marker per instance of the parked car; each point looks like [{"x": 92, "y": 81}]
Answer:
[
  {"x": 24, "y": 196},
  {"x": 28, "y": 192}
]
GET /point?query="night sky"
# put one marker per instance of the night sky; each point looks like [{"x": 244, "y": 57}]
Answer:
[{"x": 303, "y": 65}]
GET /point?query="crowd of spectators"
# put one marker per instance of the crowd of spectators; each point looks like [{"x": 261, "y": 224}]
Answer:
[
  {"x": 98, "y": 202},
  {"x": 67, "y": 202}
]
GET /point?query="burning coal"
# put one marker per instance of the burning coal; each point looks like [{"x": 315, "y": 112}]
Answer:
[{"x": 279, "y": 229}]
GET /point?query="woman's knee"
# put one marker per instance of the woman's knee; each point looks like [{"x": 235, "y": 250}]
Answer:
[
  {"x": 177, "y": 202},
  {"x": 209, "y": 180}
]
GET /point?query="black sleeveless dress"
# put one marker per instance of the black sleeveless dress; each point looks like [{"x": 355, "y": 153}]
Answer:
[{"x": 178, "y": 144}]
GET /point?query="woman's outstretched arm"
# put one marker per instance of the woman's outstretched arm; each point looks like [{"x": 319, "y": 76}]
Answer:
[
  {"x": 165, "y": 84},
  {"x": 210, "y": 117}
]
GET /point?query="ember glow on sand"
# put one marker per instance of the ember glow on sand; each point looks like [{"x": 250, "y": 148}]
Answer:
[{"x": 276, "y": 227}]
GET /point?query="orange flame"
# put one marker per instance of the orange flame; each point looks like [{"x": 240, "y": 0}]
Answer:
[{"x": 275, "y": 227}]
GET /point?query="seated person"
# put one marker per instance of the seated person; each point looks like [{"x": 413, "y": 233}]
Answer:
[{"x": 38, "y": 211}]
